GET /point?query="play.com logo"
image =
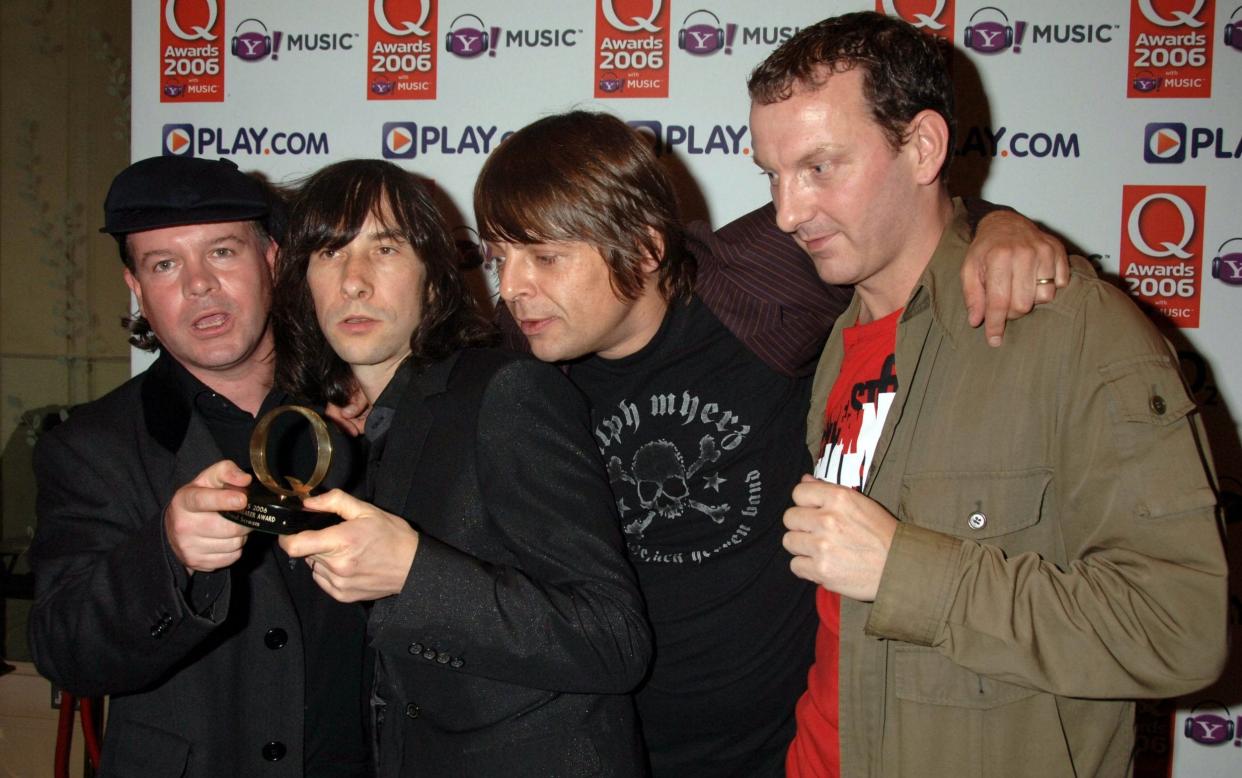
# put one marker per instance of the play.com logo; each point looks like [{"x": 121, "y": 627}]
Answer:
[
  {"x": 1164, "y": 143},
  {"x": 186, "y": 140},
  {"x": 399, "y": 140},
  {"x": 1174, "y": 142}
]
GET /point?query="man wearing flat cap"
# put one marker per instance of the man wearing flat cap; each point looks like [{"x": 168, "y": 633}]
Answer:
[{"x": 220, "y": 655}]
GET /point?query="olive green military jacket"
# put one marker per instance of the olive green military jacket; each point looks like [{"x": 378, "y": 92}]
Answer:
[{"x": 1058, "y": 551}]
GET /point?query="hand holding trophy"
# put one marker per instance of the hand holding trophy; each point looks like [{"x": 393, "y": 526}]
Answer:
[{"x": 271, "y": 506}]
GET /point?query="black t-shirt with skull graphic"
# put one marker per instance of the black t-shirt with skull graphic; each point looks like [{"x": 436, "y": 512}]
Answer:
[{"x": 704, "y": 443}]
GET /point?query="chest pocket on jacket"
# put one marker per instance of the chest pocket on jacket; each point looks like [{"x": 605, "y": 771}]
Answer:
[
  {"x": 1149, "y": 408},
  {"x": 988, "y": 507}
]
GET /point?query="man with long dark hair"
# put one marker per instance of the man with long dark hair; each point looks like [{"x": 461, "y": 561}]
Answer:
[{"x": 506, "y": 625}]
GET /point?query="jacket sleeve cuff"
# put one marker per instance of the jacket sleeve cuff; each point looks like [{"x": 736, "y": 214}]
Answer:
[
  {"x": 916, "y": 586},
  {"x": 427, "y": 593}
]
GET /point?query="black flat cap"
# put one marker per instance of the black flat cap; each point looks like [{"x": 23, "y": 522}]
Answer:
[{"x": 172, "y": 191}]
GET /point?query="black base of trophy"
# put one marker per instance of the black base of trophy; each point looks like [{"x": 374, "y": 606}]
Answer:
[{"x": 278, "y": 514}]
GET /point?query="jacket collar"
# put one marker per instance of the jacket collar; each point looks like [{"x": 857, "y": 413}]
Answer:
[
  {"x": 940, "y": 286},
  {"x": 405, "y": 437},
  {"x": 166, "y": 408}
]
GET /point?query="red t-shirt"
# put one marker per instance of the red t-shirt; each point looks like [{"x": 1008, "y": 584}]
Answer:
[{"x": 853, "y": 418}]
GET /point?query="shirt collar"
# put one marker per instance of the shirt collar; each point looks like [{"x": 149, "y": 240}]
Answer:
[{"x": 385, "y": 406}]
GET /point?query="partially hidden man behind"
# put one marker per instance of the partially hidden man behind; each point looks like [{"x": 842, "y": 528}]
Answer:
[
  {"x": 699, "y": 395},
  {"x": 220, "y": 654},
  {"x": 1012, "y": 541},
  {"x": 506, "y": 623}
]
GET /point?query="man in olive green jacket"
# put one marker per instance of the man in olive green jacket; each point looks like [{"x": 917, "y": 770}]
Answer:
[{"x": 1031, "y": 537}]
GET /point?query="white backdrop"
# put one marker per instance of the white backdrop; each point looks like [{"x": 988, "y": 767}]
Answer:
[{"x": 1114, "y": 122}]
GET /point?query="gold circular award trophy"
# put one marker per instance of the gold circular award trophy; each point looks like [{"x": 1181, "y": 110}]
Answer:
[{"x": 272, "y": 507}]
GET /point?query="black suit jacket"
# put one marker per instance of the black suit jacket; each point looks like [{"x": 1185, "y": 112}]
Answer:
[
  {"x": 205, "y": 685},
  {"x": 520, "y": 631}
]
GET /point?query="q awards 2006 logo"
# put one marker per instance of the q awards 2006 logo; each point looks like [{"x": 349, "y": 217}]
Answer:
[
  {"x": 191, "y": 53},
  {"x": 631, "y": 48},
  {"x": 1170, "y": 48},
  {"x": 1162, "y": 248},
  {"x": 934, "y": 17},
  {"x": 401, "y": 52}
]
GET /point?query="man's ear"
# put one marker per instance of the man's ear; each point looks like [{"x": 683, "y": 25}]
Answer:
[
  {"x": 651, "y": 264},
  {"x": 136, "y": 288},
  {"x": 270, "y": 255},
  {"x": 928, "y": 139}
]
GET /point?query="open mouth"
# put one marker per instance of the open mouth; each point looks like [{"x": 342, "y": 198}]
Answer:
[{"x": 211, "y": 321}]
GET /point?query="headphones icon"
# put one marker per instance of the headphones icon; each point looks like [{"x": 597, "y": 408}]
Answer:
[
  {"x": 257, "y": 52},
  {"x": 462, "y": 47},
  {"x": 1212, "y": 728},
  {"x": 1226, "y": 273},
  {"x": 382, "y": 85},
  {"x": 988, "y": 44},
  {"x": 1146, "y": 81},
  {"x": 610, "y": 83},
  {"x": 174, "y": 88},
  {"x": 716, "y": 42},
  {"x": 1233, "y": 30}
]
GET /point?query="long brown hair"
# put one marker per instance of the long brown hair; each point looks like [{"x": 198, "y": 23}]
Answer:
[
  {"x": 583, "y": 176},
  {"x": 327, "y": 212}
]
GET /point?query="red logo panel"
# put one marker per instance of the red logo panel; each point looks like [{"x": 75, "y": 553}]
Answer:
[
  {"x": 631, "y": 48},
  {"x": 192, "y": 51},
  {"x": 401, "y": 50},
  {"x": 1162, "y": 248},
  {"x": 1170, "y": 48}
]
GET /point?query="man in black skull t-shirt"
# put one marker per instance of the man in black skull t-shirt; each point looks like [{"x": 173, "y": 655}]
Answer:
[{"x": 699, "y": 391}]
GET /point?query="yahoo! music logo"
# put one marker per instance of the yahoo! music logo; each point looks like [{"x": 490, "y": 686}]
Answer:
[
  {"x": 993, "y": 35},
  {"x": 1227, "y": 266},
  {"x": 1233, "y": 31},
  {"x": 1210, "y": 729},
  {"x": 253, "y": 44},
  {"x": 469, "y": 41},
  {"x": 705, "y": 36}
]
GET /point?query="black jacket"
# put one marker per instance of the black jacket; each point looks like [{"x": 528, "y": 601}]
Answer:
[
  {"x": 209, "y": 687},
  {"x": 520, "y": 630}
]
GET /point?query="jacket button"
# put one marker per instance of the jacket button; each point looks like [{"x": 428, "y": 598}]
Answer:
[
  {"x": 275, "y": 638},
  {"x": 416, "y": 648},
  {"x": 1157, "y": 405},
  {"x": 443, "y": 658},
  {"x": 429, "y": 653},
  {"x": 456, "y": 663},
  {"x": 274, "y": 751},
  {"x": 977, "y": 520},
  {"x": 412, "y": 711}
]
